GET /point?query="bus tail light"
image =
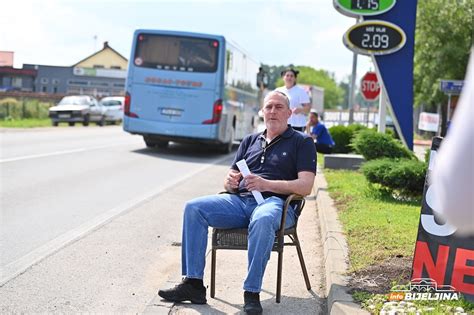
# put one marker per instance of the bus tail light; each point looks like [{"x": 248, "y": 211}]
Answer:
[
  {"x": 216, "y": 113},
  {"x": 126, "y": 108}
]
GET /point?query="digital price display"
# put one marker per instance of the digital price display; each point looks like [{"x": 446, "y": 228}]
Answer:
[
  {"x": 354, "y": 8},
  {"x": 365, "y": 4},
  {"x": 374, "y": 37}
]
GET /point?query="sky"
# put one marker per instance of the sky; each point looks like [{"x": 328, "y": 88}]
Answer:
[{"x": 61, "y": 33}]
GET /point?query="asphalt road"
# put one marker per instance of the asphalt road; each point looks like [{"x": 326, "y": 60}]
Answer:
[{"x": 59, "y": 183}]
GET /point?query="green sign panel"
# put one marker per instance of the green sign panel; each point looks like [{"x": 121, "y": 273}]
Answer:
[
  {"x": 374, "y": 37},
  {"x": 354, "y": 8}
]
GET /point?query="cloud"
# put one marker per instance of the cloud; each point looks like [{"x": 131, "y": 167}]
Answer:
[{"x": 62, "y": 32}]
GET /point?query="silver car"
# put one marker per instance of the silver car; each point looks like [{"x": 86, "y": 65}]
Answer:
[
  {"x": 77, "y": 108},
  {"x": 113, "y": 108}
]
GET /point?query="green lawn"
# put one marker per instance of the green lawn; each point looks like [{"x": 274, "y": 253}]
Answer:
[
  {"x": 26, "y": 123},
  {"x": 376, "y": 225}
]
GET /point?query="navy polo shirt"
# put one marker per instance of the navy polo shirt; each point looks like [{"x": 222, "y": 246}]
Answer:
[{"x": 281, "y": 159}]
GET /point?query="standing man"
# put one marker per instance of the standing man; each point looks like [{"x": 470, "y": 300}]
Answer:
[
  {"x": 299, "y": 99},
  {"x": 281, "y": 162},
  {"x": 318, "y": 131}
]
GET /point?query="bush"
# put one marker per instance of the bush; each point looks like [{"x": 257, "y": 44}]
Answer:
[
  {"x": 11, "y": 108},
  {"x": 401, "y": 175},
  {"x": 373, "y": 145},
  {"x": 343, "y": 135}
]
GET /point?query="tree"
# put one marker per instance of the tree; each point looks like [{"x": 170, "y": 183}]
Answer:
[
  {"x": 442, "y": 44},
  {"x": 274, "y": 74},
  {"x": 345, "y": 86},
  {"x": 333, "y": 94}
]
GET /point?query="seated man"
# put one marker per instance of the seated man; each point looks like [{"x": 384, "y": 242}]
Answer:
[
  {"x": 322, "y": 138},
  {"x": 282, "y": 162}
]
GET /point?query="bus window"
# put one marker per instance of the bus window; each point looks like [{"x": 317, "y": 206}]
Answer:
[{"x": 176, "y": 53}]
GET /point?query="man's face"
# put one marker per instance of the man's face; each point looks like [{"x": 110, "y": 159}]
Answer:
[
  {"x": 276, "y": 111},
  {"x": 289, "y": 78}
]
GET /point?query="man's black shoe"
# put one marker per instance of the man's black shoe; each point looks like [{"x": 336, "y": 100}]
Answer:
[
  {"x": 252, "y": 304},
  {"x": 185, "y": 291}
]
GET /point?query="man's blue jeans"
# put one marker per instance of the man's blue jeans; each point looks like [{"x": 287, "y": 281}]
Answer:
[{"x": 232, "y": 211}]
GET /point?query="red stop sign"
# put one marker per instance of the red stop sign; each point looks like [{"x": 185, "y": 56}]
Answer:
[{"x": 369, "y": 86}]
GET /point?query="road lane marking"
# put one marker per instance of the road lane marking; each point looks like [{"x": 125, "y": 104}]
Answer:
[
  {"x": 21, "y": 265},
  {"x": 35, "y": 156}
]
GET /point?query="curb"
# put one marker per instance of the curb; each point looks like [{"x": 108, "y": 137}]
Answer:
[{"x": 336, "y": 258}]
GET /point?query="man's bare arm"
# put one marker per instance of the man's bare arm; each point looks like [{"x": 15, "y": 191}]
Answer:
[{"x": 301, "y": 186}]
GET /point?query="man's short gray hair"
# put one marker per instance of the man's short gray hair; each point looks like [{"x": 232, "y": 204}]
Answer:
[{"x": 287, "y": 99}]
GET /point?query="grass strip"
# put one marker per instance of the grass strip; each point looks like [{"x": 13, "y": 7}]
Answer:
[
  {"x": 377, "y": 226},
  {"x": 25, "y": 123}
]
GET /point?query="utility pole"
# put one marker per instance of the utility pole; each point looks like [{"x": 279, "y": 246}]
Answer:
[{"x": 352, "y": 87}]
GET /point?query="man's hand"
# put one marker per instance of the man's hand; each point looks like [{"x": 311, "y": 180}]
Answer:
[
  {"x": 231, "y": 183},
  {"x": 255, "y": 182}
]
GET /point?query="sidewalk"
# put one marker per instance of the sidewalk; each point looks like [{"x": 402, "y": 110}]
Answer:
[{"x": 231, "y": 272}]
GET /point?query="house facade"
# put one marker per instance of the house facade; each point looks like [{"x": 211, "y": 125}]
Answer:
[{"x": 100, "y": 74}]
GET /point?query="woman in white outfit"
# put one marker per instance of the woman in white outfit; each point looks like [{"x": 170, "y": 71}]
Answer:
[{"x": 299, "y": 99}]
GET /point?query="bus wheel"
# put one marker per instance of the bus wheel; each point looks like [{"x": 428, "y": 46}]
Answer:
[
  {"x": 148, "y": 142},
  {"x": 227, "y": 147},
  {"x": 162, "y": 144}
]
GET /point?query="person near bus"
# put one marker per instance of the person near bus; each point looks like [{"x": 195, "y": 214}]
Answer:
[
  {"x": 299, "y": 99},
  {"x": 281, "y": 161},
  {"x": 322, "y": 138}
]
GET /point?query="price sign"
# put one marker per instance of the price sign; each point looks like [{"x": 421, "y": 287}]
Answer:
[
  {"x": 354, "y": 8},
  {"x": 374, "y": 37}
]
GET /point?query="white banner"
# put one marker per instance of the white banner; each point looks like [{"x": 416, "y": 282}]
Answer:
[
  {"x": 428, "y": 122},
  {"x": 106, "y": 73}
]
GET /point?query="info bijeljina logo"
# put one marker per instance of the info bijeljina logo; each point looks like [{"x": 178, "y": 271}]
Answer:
[{"x": 423, "y": 289}]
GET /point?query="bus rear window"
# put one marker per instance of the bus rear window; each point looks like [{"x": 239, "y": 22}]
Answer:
[{"x": 176, "y": 53}]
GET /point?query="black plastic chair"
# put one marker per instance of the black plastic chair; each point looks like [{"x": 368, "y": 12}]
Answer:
[{"x": 236, "y": 239}]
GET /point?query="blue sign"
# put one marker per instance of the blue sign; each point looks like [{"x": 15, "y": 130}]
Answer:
[
  {"x": 452, "y": 86},
  {"x": 396, "y": 70}
]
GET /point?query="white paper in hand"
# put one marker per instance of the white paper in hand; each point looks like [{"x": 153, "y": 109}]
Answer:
[{"x": 244, "y": 169}]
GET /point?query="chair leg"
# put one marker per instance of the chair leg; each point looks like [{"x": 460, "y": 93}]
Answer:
[
  {"x": 303, "y": 266},
  {"x": 213, "y": 273},
  {"x": 279, "y": 272}
]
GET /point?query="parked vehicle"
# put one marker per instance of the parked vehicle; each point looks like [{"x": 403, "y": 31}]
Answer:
[
  {"x": 113, "y": 108},
  {"x": 77, "y": 108}
]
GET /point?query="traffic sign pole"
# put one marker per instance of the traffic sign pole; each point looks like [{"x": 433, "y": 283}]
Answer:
[{"x": 382, "y": 111}]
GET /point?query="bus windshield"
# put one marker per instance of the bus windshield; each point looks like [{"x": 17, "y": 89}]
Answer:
[{"x": 176, "y": 53}]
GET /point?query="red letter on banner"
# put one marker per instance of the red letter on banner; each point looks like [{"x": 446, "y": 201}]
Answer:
[
  {"x": 435, "y": 269},
  {"x": 461, "y": 269}
]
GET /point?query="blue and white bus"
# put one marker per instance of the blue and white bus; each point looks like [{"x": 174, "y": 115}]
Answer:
[{"x": 189, "y": 87}]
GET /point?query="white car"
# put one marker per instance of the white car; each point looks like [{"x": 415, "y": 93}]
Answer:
[
  {"x": 113, "y": 108},
  {"x": 77, "y": 108}
]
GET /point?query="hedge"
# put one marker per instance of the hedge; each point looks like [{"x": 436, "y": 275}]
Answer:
[
  {"x": 343, "y": 135},
  {"x": 401, "y": 175},
  {"x": 373, "y": 145}
]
